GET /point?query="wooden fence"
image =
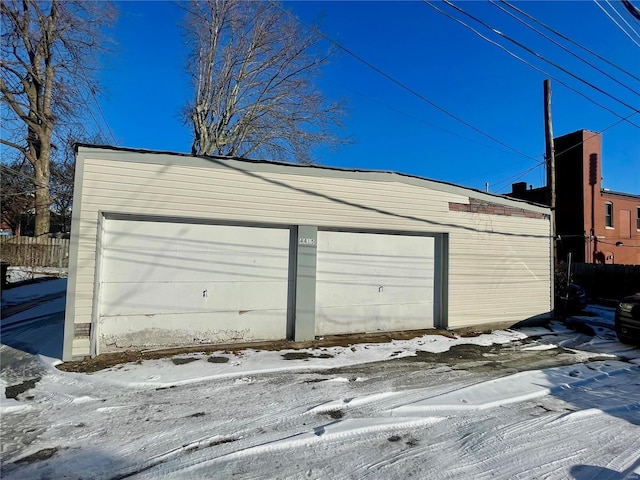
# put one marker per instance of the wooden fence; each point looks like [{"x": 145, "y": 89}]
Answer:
[
  {"x": 607, "y": 281},
  {"x": 35, "y": 252}
]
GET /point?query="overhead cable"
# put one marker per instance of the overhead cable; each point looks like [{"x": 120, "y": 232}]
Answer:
[
  {"x": 632, "y": 9},
  {"x": 429, "y": 124},
  {"x": 632, "y": 90},
  {"x": 499, "y": 185},
  {"x": 20, "y": 174},
  {"x": 405, "y": 87},
  {"x": 536, "y": 54},
  {"x": 93, "y": 94},
  {"x": 616, "y": 23},
  {"x": 613, "y": 7},
  {"x": 594, "y": 135},
  {"x": 502, "y": 47},
  {"x": 573, "y": 42},
  {"x": 523, "y": 173}
]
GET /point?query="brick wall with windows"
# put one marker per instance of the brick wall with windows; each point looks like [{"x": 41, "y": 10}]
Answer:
[
  {"x": 617, "y": 232},
  {"x": 594, "y": 224}
]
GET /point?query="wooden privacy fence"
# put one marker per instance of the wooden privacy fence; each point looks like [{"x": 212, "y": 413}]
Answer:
[
  {"x": 607, "y": 281},
  {"x": 35, "y": 252}
]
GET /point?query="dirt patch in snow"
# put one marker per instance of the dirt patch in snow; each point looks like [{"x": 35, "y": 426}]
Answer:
[
  {"x": 14, "y": 390},
  {"x": 514, "y": 356},
  {"x": 109, "y": 360},
  {"x": 335, "y": 414},
  {"x": 40, "y": 455},
  {"x": 183, "y": 360},
  {"x": 215, "y": 359},
  {"x": 304, "y": 356}
]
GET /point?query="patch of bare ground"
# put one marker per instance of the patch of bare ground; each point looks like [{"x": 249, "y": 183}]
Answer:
[
  {"x": 40, "y": 455},
  {"x": 12, "y": 391},
  {"x": 108, "y": 360}
]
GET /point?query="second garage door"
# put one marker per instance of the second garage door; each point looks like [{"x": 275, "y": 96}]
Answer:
[
  {"x": 371, "y": 282},
  {"x": 177, "y": 283}
]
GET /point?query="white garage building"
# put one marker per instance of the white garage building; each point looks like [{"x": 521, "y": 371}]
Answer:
[{"x": 172, "y": 250}]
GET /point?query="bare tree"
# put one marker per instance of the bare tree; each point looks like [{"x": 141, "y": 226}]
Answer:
[
  {"x": 62, "y": 181},
  {"x": 48, "y": 56},
  {"x": 63, "y": 170},
  {"x": 16, "y": 194},
  {"x": 254, "y": 71}
]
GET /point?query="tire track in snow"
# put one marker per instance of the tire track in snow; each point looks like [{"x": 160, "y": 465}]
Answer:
[
  {"x": 483, "y": 458},
  {"x": 500, "y": 392},
  {"x": 513, "y": 446},
  {"x": 484, "y": 450},
  {"x": 624, "y": 462},
  {"x": 383, "y": 403},
  {"x": 331, "y": 432}
]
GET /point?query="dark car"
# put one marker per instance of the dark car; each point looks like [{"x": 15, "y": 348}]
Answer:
[
  {"x": 572, "y": 300},
  {"x": 627, "y": 319}
]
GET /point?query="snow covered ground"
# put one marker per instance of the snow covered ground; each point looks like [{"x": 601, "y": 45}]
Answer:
[
  {"x": 552, "y": 403},
  {"x": 19, "y": 274}
]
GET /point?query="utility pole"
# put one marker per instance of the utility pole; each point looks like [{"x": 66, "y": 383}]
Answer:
[{"x": 550, "y": 159}]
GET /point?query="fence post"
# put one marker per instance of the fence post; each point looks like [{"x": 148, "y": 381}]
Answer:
[{"x": 60, "y": 260}]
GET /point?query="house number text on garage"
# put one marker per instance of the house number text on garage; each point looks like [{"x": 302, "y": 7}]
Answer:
[{"x": 307, "y": 241}]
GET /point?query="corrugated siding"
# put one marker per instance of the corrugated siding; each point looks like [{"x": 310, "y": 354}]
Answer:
[{"x": 499, "y": 267}]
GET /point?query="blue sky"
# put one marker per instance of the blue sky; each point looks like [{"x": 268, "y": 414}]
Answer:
[{"x": 145, "y": 87}]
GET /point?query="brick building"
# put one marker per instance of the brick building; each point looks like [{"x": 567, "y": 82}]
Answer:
[{"x": 594, "y": 224}]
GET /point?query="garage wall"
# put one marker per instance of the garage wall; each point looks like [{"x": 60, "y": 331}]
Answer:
[{"x": 499, "y": 268}]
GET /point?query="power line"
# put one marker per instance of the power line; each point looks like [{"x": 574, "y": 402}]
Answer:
[
  {"x": 403, "y": 86},
  {"x": 377, "y": 70},
  {"x": 16, "y": 194},
  {"x": 595, "y": 135},
  {"x": 564, "y": 48},
  {"x": 536, "y": 54},
  {"x": 573, "y": 42},
  {"x": 418, "y": 119},
  {"x": 95, "y": 99},
  {"x": 633, "y": 10},
  {"x": 523, "y": 173},
  {"x": 617, "y": 24},
  {"x": 502, "y": 47},
  {"x": 613, "y": 7},
  {"x": 517, "y": 176},
  {"x": 21, "y": 174}
]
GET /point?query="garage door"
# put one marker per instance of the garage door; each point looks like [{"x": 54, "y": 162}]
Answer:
[
  {"x": 370, "y": 282},
  {"x": 171, "y": 283}
]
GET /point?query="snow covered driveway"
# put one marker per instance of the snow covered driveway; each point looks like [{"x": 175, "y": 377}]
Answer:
[{"x": 532, "y": 403}]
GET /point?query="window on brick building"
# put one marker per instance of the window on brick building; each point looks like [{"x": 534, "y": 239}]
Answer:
[
  {"x": 608, "y": 214},
  {"x": 638, "y": 218}
]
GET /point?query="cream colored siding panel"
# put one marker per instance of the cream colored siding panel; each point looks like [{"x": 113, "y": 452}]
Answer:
[
  {"x": 81, "y": 347},
  {"x": 336, "y": 189},
  {"x": 84, "y": 312},
  {"x": 84, "y": 287},
  {"x": 191, "y": 196},
  {"x": 499, "y": 278},
  {"x": 140, "y": 174},
  {"x": 86, "y": 304}
]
